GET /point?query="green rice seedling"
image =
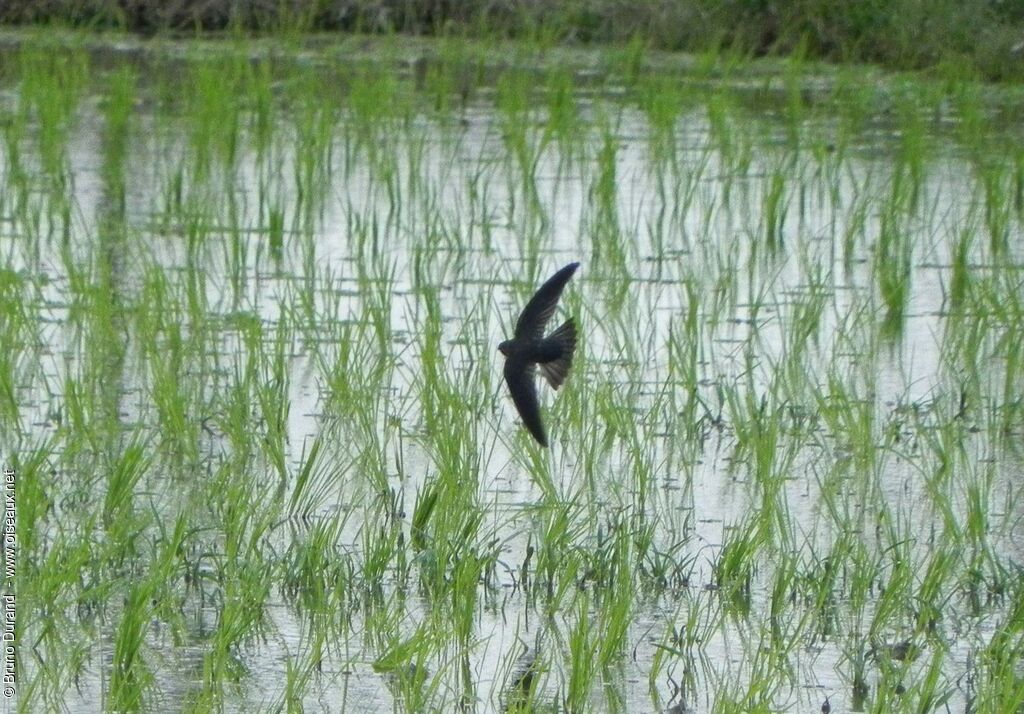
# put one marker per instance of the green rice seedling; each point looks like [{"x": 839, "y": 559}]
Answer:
[
  {"x": 973, "y": 127},
  {"x": 76, "y": 416},
  {"x": 890, "y": 604},
  {"x": 755, "y": 693},
  {"x": 231, "y": 413},
  {"x": 912, "y": 105},
  {"x": 169, "y": 396},
  {"x": 996, "y": 309},
  {"x": 960, "y": 279},
  {"x": 862, "y": 570},
  {"x": 271, "y": 392},
  {"x": 85, "y": 415},
  {"x": 300, "y": 673},
  {"x": 994, "y": 664},
  {"x": 563, "y": 122},
  {"x": 774, "y": 212},
  {"x": 795, "y": 70},
  {"x": 123, "y": 478},
  {"x": 626, "y": 63},
  {"x": 522, "y": 676},
  {"x": 756, "y": 427},
  {"x": 245, "y": 517},
  {"x": 14, "y": 127},
  {"x": 1018, "y": 179},
  {"x": 604, "y": 191},
  {"x": 118, "y": 114},
  {"x": 311, "y": 307},
  {"x": 312, "y": 482},
  {"x": 444, "y": 79},
  {"x": 735, "y": 567},
  {"x": 263, "y": 119},
  {"x": 946, "y": 444},
  {"x": 357, "y": 370},
  {"x": 53, "y": 79},
  {"x": 855, "y": 229},
  {"x": 559, "y": 525},
  {"x": 107, "y": 324},
  {"x": 684, "y": 348},
  {"x": 47, "y": 596},
  {"x": 609, "y": 245},
  {"x": 804, "y": 323},
  {"x": 169, "y": 569},
  {"x": 516, "y": 117},
  {"x": 661, "y": 567},
  {"x": 315, "y": 123},
  {"x": 785, "y": 630},
  {"x": 703, "y": 619},
  {"x": 432, "y": 365},
  {"x": 369, "y": 452},
  {"x": 611, "y": 410},
  {"x": 319, "y": 577},
  {"x": 998, "y": 208},
  {"x": 172, "y": 198},
  {"x": 642, "y": 470},
  {"x": 376, "y": 287},
  {"x": 375, "y": 103},
  {"x": 17, "y": 320},
  {"x": 426, "y": 501},
  {"x": 193, "y": 291},
  {"x": 688, "y": 177},
  {"x": 214, "y": 106},
  {"x": 451, "y": 535},
  {"x": 893, "y": 265},
  {"x": 239, "y": 619},
  {"x": 32, "y": 464},
  {"x": 1012, "y": 411},
  {"x": 130, "y": 676},
  {"x": 404, "y": 663},
  {"x": 855, "y": 656},
  {"x": 469, "y": 571},
  {"x": 934, "y": 592},
  {"x": 978, "y": 525},
  {"x": 962, "y": 349},
  {"x": 380, "y": 544},
  {"x": 823, "y": 588},
  {"x": 596, "y": 442},
  {"x": 616, "y": 599},
  {"x": 734, "y": 149},
  {"x": 370, "y": 108},
  {"x": 422, "y": 189},
  {"x": 583, "y": 657},
  {"x": 275, "y": 231},
  {"x": 662, "y": 99}
]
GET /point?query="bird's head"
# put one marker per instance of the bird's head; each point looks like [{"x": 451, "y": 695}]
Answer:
[{"x": 505, "y": 347}]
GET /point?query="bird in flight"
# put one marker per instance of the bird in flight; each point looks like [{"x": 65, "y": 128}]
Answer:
[{"x": 529, "y": 350}]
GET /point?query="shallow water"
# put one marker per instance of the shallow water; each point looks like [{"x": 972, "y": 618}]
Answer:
[{"x": 406, "y": 214}]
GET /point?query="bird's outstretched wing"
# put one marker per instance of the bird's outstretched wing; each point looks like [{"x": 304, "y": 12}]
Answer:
[
  {"x": 542, "y": 305},
  {"x": 519, "y": 375}
]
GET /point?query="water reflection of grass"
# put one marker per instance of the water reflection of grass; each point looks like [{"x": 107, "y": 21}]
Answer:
[{"x": 249, "y": 380}]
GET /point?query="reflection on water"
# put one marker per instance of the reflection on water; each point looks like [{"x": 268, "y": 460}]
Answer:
[{"x": 769, "y": 356}]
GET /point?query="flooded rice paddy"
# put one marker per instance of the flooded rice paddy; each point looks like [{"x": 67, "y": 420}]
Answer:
[{"x": 265, "y": 459}]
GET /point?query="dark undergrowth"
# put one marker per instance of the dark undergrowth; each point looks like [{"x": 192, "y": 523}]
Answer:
[{"x": 981, "y": 38}]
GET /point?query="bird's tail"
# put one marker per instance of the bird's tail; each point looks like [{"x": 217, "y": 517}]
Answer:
[{"x": 564, "y": 339}]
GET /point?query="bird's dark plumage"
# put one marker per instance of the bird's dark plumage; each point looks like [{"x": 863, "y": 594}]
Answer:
[{"x": 529, "y": 350}]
